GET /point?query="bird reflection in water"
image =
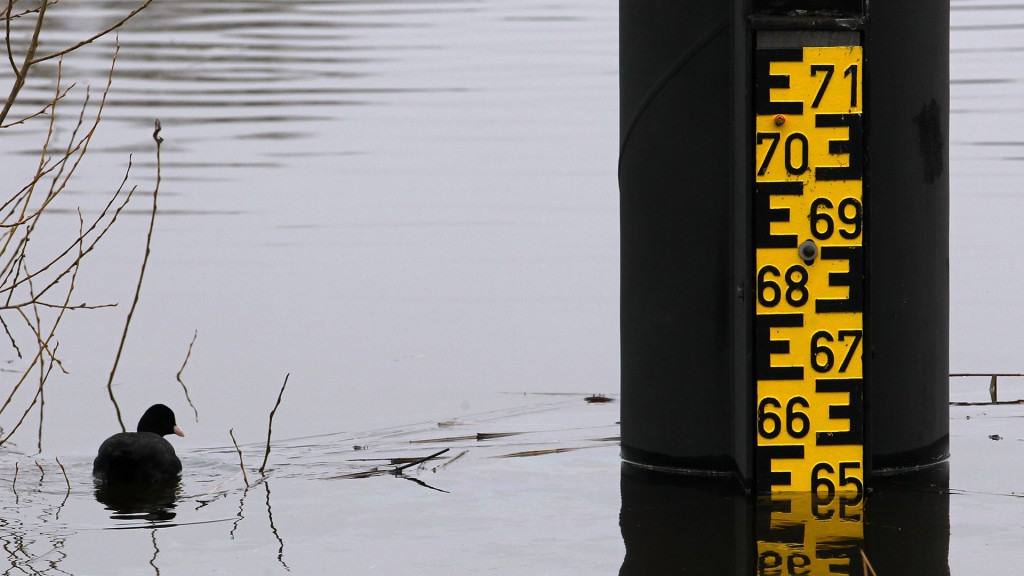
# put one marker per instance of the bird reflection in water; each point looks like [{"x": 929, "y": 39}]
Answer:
[{"x": 140, "y": 501}]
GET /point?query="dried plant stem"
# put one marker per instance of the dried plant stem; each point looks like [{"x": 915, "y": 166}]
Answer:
[
  {"x": 270, "y": 425},
  {"x": 182, "y": 382},
  {"x": 142, "y": 273},
  {"x": 241, "y": 464}
]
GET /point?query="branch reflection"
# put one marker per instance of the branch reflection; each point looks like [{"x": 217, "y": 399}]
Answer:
[{"x": 273, "y": 528}]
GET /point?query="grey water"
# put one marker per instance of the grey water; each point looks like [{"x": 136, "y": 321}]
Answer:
[
  {"x": 410, "y": 209},
  {"x": 408, "y": 206}
]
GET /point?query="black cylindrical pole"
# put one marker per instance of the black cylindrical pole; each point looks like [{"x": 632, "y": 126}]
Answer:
[
  {"x": 685, "y": 395},
  {"x": 784, "y": 235},
  {"x": 907, "y": 366}
]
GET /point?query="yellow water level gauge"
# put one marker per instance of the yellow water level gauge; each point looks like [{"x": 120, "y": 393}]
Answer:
[{"x": 809, "y": 276}]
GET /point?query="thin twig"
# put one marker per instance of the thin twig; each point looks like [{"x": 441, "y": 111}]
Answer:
[
  {"x": 9, "y": 16},
  {"x": 270, "y": 425},
  {"x": 10, "y": 337},
  {"x": 182, "y": 382},
  {"x": 241, "y": 464},
  {"x": 65, "y": 473},
  {"x": 41, "y": 304},
  {"x": 42, "y": 110},
  {"x": 135, "y": 301}
]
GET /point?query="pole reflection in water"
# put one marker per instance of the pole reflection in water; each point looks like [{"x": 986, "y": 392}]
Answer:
[
  {"x": 691, "y": 525},
  {"x": 800, "y": 533},
  {"x": 684, "y": 525}
]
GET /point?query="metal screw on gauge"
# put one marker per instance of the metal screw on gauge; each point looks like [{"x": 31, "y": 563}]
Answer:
[{"x": 808, "y": 251}]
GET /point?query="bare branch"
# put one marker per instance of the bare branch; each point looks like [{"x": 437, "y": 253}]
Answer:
[
  {"x": 22, "y": 73},
  {"x": 30, "y": 285},
  {"x": 94, "y": 37}
]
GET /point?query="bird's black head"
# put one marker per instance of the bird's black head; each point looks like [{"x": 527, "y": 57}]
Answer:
[{"x": 159, "y": 419}]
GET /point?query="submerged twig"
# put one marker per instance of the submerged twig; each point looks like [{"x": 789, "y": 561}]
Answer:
[
  {"x": 270, "y": 425},
  {"x": 142, "y": 273},
  {"x": 182, "y": 382},
  {"x": 216, "y": 488},
  {"x": 241, "y": 464}
]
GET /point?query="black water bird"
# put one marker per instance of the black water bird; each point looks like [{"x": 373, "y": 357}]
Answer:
[{"x": 142, "y": 457}]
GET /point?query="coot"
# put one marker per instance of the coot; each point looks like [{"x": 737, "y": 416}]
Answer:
[{"x": 143, "y": 456}]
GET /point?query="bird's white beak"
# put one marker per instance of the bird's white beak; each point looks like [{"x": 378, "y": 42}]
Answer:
[{"x": 179, "y": 431}]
